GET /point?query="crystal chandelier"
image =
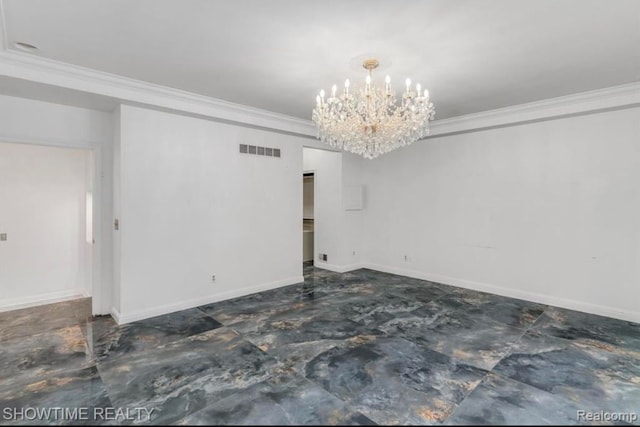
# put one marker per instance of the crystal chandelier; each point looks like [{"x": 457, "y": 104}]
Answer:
[{"x": 371, "y": 123}]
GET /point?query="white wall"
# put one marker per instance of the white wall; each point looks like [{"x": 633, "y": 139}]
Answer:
[
  {"x": 31, "y": 121},
  {"x": 192, "y": 206},
  {"x": 337, "y": 231},
  {"x": 35, "y": 122},
  {"x": 353, "y": 220},
  {"x": 42, "y": 210},
  {"x": 545, "y": 211}
]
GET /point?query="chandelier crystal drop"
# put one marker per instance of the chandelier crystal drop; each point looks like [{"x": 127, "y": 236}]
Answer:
[{"x": 371, "y": 122}]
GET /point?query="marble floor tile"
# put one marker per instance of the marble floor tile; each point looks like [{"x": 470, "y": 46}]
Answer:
[
  {"x": 82, "y": 309},
  {"x": 461, "y": 334},
  {"x": 603, "y": 332},
  {"x": 182, "y": 377},
  {"x": 360, "y": 347},
  {"x": 376, "y": 284},
  {"x": 356, "y": 303},
  {"x": 70, "y": 389},
  {"x": 404, "y": 324},
  {"x": 36, "y": 320},
  {"x": 318, "y": 285},
  {"x": 256, "y": 307},
  {"x": 408, "y": 287},
  {"x": 319, "y": 273},
  {"x": 26, "y": 360},
  {"x": 284, "y": 399},
  {"x": 393, "y": 381},
  {"x": 342, "y": 279},
  {"x": 402, "y": 282},
  {"x": 592, "y": 378},
  {"x": 423, "y": 292},
  {"x": 109, "y": 340},
  {"x": 509, "y": 311},
  {"x": 337, "y": 290},
  {"x": 377, "y": 310},
  {"x": 502, "y": 401},
  {"x": 366, "y": 283},
  {"x": 295, "y": 336}
]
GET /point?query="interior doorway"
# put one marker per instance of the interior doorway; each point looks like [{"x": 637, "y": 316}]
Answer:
[
  {"x": 308, "y": 218},
  {"x": 46, "y": 224}
]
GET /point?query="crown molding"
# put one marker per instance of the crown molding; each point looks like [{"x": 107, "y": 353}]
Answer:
[
  {"x": 47, "y": 71},
  {"x": 616, "y": 97},
  {"x": 34, "y": 68}
]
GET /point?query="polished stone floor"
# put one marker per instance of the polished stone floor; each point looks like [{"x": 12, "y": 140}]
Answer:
[{"x": 356, "y": 348}]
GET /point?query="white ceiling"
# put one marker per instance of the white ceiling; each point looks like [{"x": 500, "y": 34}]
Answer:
[{"x": 277, "y": 54}]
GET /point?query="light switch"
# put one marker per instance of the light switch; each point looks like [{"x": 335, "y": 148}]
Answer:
[{"x": 3, "y": 237}]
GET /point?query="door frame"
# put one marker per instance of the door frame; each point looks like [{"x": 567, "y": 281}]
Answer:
[
  {"x": 99, "y": 290},
  {"x": 315, "y": 223}
]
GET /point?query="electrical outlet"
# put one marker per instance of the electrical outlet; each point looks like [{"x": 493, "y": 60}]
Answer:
[
  {"x": 354, "y": 253},
  {"x": 407, "y": 258},
  {"x": 3, "y": 236},
  {"x": 213, "y": 278}
]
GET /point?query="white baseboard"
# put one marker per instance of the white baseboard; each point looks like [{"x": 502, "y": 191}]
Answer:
[
  {"x": 42, "y": 299},
  {"x": 338, "y": 268},
  {"x": 582, "y": 306},
  {"x": 122, "y": 318},
  {"x": 631, "y": 316},
  {"x": 116, "y": 315}
]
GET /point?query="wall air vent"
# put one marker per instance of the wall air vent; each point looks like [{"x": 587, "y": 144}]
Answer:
[{"x": 259, "y": 151}]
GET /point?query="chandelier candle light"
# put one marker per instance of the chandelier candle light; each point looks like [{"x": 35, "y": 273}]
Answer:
[{"x": 371, "y": 123}]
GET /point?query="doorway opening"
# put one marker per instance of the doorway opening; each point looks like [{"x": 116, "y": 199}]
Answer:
[
  {"x": 47, "y": 225},
  {"x": 308, "y": 218}
]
